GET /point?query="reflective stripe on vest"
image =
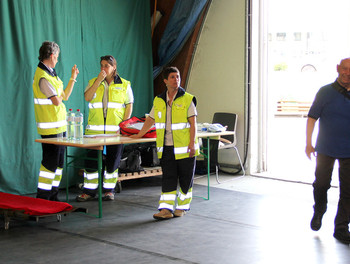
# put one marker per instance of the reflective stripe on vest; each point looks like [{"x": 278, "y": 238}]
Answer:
[
  {"x": 115, "y": 105},
  {"x": 160, "y": 125},
  {"x": 180, "y": 150},
  {"x": 180, "y": 126},
  {"x": 160, "y": 149},
  {"x": 111, "y": 128},
  {"x": 109, "y": 105},
  {"x": 52, "y": 124},
  {"x": 103, "y": 128},
  {"x": 97, "y": 128},
  {"x": 42, "y": 101},
  {"x": 95, "y": 105}
]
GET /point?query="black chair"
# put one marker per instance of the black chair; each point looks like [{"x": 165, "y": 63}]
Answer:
[{"x": 225, "y": 142}]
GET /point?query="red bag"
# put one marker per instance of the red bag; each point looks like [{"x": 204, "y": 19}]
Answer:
[{"x": 133, "y": 126}]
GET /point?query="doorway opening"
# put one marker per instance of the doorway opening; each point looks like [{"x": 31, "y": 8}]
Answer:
[{"x": 297, "y": 54}]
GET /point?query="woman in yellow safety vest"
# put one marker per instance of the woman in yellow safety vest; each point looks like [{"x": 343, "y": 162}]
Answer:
[
  {"x": 174, "y": 115},
  {"x": 111, "y": 101},
  {"x": 50, "y": 116}
]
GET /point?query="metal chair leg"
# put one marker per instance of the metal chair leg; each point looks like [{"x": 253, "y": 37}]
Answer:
[
  {"x": 240, "y": 161},
  {"x": 217, "y": 174},
  {"x": 217, "y": 169}
]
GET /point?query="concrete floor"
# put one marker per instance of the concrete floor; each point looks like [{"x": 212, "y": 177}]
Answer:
[{"x": 247, "y": 220}]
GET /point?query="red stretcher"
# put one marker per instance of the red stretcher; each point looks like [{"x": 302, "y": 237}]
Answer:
[{"x": 29, "y": 208}]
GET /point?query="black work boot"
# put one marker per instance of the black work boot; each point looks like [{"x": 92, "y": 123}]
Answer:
[
  {"x": 342, "y": 235},
  {"x": 316, "y": 221}
]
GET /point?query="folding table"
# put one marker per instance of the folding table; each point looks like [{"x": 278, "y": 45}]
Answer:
[{"x": 99, "y": 141}]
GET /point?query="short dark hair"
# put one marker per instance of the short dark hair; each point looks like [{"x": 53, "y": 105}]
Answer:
[
  {"x": 169, "y": 70},
  {"x": 47, "y": 48}
]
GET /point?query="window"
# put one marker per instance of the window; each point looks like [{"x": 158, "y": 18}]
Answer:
[
  {"x": 297, "y": 36},
  {"x": 281, "y": 36}
]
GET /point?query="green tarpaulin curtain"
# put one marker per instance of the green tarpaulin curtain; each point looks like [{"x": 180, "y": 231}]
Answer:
[{"x": 85, "y": 30}]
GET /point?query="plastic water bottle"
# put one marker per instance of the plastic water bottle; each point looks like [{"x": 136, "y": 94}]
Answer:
[
  {"x": 79, "y": 129},
  {"x": 70, "y": 124}
]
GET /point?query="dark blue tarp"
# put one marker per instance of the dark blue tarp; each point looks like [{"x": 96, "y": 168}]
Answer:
[{"x": 183, "y": 19}]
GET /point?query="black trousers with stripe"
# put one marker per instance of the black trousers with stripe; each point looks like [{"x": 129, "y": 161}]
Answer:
[{"x": 176, "y": 171}]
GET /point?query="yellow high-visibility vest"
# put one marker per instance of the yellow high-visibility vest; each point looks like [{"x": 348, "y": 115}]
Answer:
[
  {"x": 50, "y": 119},
  {"x": 180, "y": 126}
]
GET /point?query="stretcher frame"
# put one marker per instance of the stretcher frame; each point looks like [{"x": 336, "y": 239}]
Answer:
[{"x": 9, "y": 214}]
